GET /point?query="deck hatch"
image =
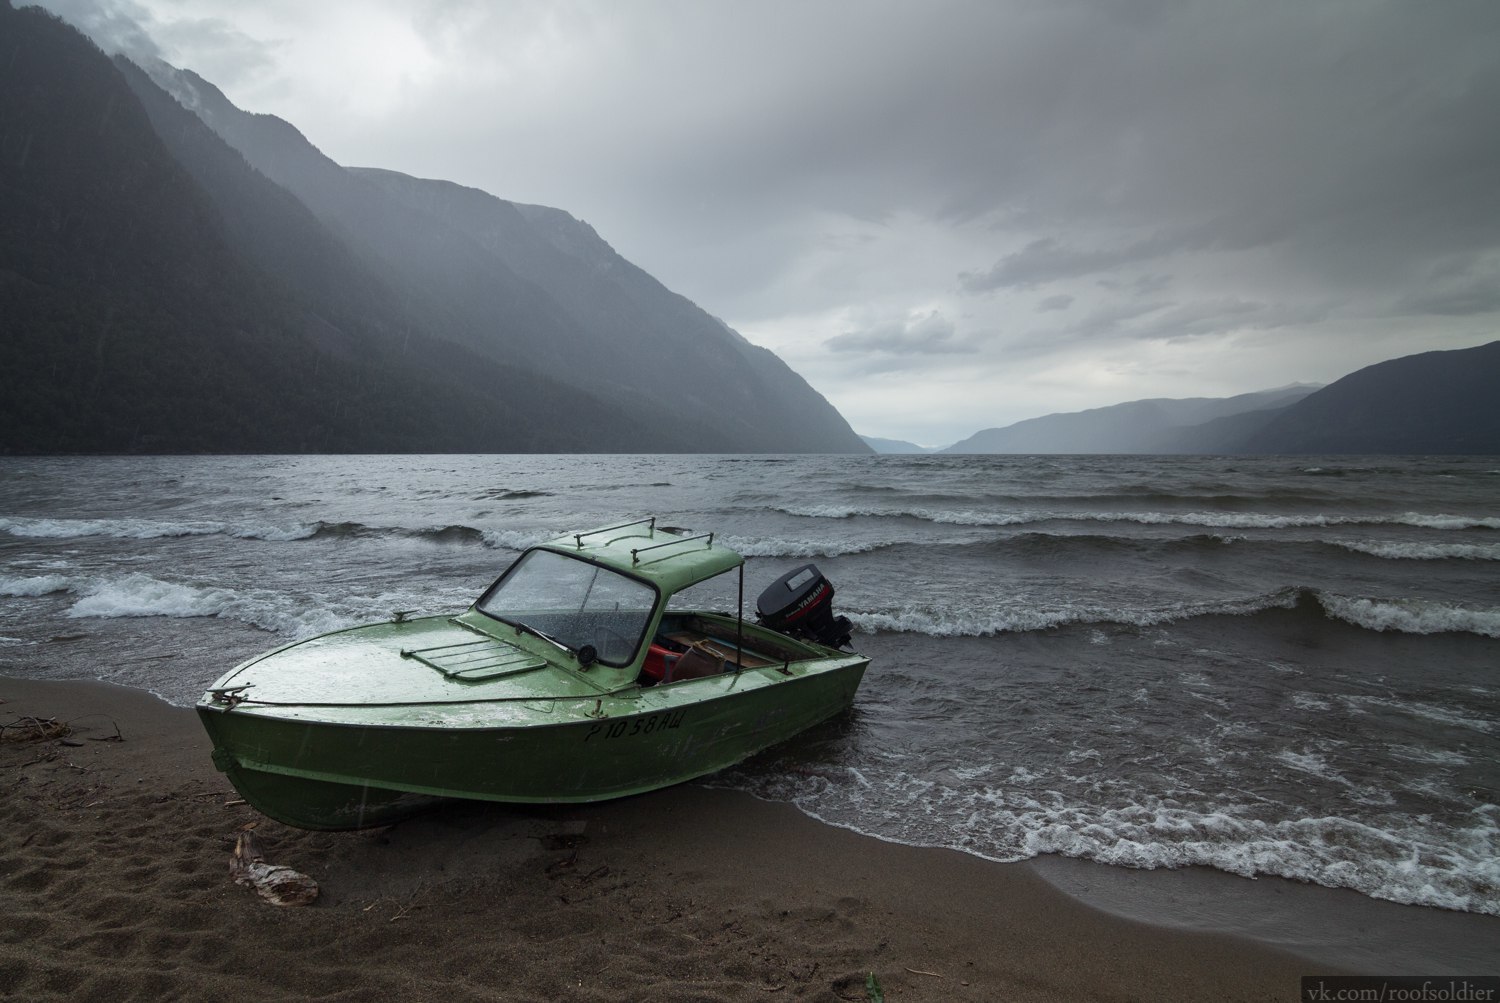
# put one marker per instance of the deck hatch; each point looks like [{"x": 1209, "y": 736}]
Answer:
[{"x": 476, "y": 661}]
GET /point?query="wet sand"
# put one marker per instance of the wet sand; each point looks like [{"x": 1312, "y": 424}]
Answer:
[{"x": 116, "y": 839}]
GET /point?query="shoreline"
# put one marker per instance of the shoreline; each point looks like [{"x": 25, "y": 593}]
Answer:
[{"x": 115, "y": 855}]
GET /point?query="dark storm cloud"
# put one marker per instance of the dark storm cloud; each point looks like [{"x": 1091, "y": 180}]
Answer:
[
  {"x": 1169, "y": 322},
  {"x": 1348, "y": 138},
  {"x": 1464, "y": 285}
]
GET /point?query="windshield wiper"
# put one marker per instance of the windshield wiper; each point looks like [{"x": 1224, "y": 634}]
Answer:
[{"x": 528, "y": 628}]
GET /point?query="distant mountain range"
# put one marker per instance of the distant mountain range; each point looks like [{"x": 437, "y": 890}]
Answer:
[
  {"x": 1432, "y": 403},
  {"x": 1145, "y": 426},
  {"x": 178, "y": 275},
  {"x": 895, "y": 445}
]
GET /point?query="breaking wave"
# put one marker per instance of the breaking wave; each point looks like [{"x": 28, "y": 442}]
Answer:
[
  {"x": 146, "y": 529},
  {"x": 1408, "y": 616},
  {"x": 1039, "y": 543},
  {"x": 780, "y": 547},
  {"x": 35, "y": 585},
  {"x": 129, "y": 529},
  {"x": 1210, "y": 520},
  {"x": 1423, "y": 551},
  {"x": 1412, "y": 616},
  {"x": 296, "y": 616}
]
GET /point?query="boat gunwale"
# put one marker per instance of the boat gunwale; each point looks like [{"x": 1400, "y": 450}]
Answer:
[
  {"x": 630, "y": 691},
  {"x": 854, "y": 662}
]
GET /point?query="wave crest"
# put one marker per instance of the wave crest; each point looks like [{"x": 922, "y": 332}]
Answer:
[
  {"x": 35, "y": 585},
  {"x": 1209, "y": 520},
  {"x": 296, "y": 616},
  {"x": 128, "y": 529},
  {"x": 1410, "y": 616}
]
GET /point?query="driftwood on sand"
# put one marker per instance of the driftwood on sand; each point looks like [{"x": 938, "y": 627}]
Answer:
[{"x": 276, "y": 884}]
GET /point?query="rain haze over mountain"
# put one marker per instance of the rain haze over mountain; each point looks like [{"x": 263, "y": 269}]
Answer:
[{"x": 945, "y": 216}]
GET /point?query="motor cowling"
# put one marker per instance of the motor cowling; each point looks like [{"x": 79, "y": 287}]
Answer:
[{"x": 800, "y": 603}]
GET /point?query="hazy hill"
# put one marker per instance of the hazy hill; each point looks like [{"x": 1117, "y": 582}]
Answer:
[
  {"x": 634, "y": 335},
  {"x": 895, "y": 445},
  {"x": 267, "y": 225},
  {"x": 1431, "y": 403},
  {"x": 1435, "y": 402},
  {"x": 1145, "y": 426},
  {"x": 533, "y": 286}
]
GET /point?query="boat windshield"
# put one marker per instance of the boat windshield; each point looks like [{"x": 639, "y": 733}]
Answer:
[{"x": 573, "y": 603}]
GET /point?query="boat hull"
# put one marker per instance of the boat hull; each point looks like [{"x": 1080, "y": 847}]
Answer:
[{"x": 319, "y": 774}]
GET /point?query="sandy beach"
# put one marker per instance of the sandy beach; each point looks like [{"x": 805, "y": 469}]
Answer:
[{"x": 114, "y": 859}]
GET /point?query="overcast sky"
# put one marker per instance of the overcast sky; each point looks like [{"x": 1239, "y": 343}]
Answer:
[{"x": 946, "y": 216}]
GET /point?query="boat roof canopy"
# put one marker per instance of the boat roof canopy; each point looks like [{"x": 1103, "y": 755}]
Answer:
[{"x": 670, "y": 558}]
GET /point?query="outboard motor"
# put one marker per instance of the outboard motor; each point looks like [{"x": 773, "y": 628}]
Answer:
[{"x": 800, "y": 603}]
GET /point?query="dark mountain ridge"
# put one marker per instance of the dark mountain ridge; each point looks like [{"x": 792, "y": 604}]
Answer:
[
  {"x": 1441, "y": 402},
  {"x": 534, "y": 286},
  {"x": 1445, "y": 402},
  {"x": 160, "y": 292},
  {"x": 134, "y": 319},
  {"x": 1158, "y": 425},
  {"x": 641, "y": 333}
]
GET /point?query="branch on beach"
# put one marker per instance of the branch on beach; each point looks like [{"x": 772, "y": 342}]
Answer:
[
  {"x": 34, "y": 729},
  {"x": 276, "y": 884},
  {"x": 42, "y": 729},
  {"x": 118, "y": 736}
]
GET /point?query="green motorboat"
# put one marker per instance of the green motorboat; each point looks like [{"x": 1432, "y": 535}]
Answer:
[{"x": 574, "y": 677}]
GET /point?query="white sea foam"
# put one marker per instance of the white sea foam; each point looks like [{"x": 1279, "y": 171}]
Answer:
[
  {"x": 983, "y": 623},
  {"x": 1316, "y": 765},
  {"x": 510, "y": 539},
  {"x": 292, "y": 615},
  {"x": 1308, "y": 701},
  {"x": 1412, "y": 616},
  {"x": 1435, "y": 757},
  {"x": 1212, "y": 520},
  {"x": 140, "y": 594},
  {"x": 1423, "y": 551},
  {"x": 129, "y": 529},
  {"x": 1399, "y": 859},
  {"x": 948, "y": 624},
  {"x": 962, "y": 517},
  {"x": 148, "y": 529},
  {"x": 779, "y": 547},
  {"x": 1430, "y": 712},
  {"x": 1447, "y": 521},
  {"x": 276, "y": 534},
  {"x": 37, "y": 585}
]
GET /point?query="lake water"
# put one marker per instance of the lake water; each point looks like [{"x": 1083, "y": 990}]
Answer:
[{"x": 1285, "y": 666}]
